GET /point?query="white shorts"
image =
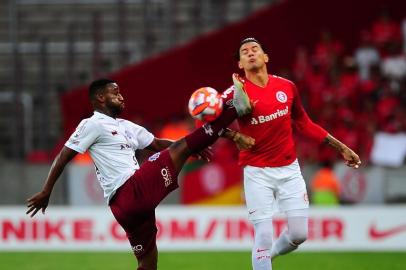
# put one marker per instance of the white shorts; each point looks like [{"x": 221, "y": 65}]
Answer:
[{"x": 274, "y": 189}]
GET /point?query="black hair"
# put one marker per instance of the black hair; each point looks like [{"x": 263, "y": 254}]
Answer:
[
  {"x": 246, "y": 40},
  {"x": 97, "y": 87}
]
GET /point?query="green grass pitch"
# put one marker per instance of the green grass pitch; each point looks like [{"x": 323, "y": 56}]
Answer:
[{"x": 202, "y": 260}]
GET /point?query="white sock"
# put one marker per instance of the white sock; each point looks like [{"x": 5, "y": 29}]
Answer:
[
  {"x": 282, "y": 245},
  {"x": 296, "y": 234},
  {"x": 261, "y": 257}
]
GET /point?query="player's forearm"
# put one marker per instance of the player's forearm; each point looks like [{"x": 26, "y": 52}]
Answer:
[
  {"x": 57, "y": 168},
  {"x": 336, "y": 144}
]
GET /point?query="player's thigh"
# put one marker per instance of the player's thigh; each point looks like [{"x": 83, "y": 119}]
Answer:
[
  {"x": 292, "y": 193},
  {"x": 259, "y": 194},
  {"x": 155, "y": 179}
]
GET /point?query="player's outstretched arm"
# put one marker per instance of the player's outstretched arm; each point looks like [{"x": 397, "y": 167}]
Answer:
[
  {"x": 350, "y": 157},
  {"x": 41, "y": 199},
  {"x": 242, "y": 141}
]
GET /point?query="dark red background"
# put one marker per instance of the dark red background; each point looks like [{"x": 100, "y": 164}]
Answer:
[{"x": 160, "y": 87}]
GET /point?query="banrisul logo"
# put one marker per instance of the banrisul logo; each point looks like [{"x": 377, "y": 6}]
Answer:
[
  {"x": 266, "y": 118},
  {"x": 281, "y": 97}
]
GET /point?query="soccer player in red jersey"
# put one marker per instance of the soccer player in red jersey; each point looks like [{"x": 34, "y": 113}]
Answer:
[
  {"x": 132, "y": 191},
  {"x": 272, "y": 176}
]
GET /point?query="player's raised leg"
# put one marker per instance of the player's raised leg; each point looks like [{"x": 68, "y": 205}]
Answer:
[
  {"x": 210, "y": 132},
  {"x": 294, "y": 235},
  {"x": 160, "y": 172}
]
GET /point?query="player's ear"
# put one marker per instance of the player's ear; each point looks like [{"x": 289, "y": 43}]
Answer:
[
  {"x": 266, "y": 58},
  {"x": 240, "y": 65},
  {"x": 100, "y": 97}
]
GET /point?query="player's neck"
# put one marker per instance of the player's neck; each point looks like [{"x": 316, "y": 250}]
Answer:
[
  {"x": 259, "y": 78},
  {"x": 106, "y": 112}
]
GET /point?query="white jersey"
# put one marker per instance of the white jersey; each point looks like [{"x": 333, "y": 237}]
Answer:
[{"x": 111, "y": 144}]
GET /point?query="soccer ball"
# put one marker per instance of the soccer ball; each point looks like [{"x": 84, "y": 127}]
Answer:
[{"x": 205, "y": 104}]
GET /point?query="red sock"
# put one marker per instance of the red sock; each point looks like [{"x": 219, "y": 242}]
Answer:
[{"x": 206, "y": 135}]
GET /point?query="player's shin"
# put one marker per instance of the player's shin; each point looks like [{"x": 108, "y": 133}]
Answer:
[
  {"x": 261, "y": 251},
  {"x": 206, "y": 135},
  {"x": 290, "y": 239}
]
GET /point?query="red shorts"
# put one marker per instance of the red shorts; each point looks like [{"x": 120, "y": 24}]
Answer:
[{"x": 135, "y": 201}]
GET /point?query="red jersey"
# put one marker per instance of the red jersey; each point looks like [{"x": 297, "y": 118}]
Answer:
[{"x": 270, "y": 123}]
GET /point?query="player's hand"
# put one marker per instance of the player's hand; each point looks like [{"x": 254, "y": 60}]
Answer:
[
  {"x": 351, "y": 158},
  {"x": 38, "y": 202},
  {"x": 243, "y": 142},
  {"x": 206, "y": 154}
]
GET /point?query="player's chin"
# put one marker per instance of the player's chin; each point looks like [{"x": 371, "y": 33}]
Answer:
[{"x": 120, "y": 108}]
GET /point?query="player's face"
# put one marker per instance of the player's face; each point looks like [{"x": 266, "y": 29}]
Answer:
[
  {"x": 252, "y": 57},
  {"x": 113, "y": 99}
]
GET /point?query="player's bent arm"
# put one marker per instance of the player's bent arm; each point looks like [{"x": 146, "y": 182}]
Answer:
[
  {"x": 159, "y": 144},
  {"x": 41, "y": 199},
  {"x": 242, "y": 141},
  {"x": 350, "y": 157}
]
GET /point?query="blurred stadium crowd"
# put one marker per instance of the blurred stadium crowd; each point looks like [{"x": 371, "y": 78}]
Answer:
[{"x": 354, "y": 94}]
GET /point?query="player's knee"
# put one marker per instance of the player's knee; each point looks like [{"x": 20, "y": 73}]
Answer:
[{"x": 297, "y": 237}]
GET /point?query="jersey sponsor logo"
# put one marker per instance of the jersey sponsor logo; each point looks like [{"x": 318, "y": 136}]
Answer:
[
  {"x": 281, "y": 96},
  {"x": 124, "y": 146},
  {"x": 166, "y": 176},
  {"x": 266, "y": 118},
  {"x": 137, "y": 249},
  {"x": 154, "y": 157},
  {"x": 377, "y": 234}
]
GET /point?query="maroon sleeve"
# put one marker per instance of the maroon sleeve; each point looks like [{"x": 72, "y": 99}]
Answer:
[{"x": 302, "y": 121}]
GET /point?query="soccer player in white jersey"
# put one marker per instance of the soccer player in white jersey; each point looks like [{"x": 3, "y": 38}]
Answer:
[
  {"x": 134, "y": 191},
  {"x": 272, "y": 175}
]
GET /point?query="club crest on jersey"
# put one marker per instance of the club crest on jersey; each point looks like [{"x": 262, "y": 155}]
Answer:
[{"x": 281, "y": 97}]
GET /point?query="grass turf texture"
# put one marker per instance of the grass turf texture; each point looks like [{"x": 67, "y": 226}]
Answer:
[{"x": 201, "y": 260}]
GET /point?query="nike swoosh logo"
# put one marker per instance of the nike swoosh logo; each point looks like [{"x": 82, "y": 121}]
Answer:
[
  {"x": 376, "y": 234},
  {"x": 260, "y": 250},
  {"x": 252, "y": 212}
]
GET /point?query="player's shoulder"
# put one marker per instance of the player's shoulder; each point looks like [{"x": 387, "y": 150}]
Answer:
[
  {"x": 95, "y": 119},
  {"x": 282, "y": 80},
  {"x": 129, "y": 124}
]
